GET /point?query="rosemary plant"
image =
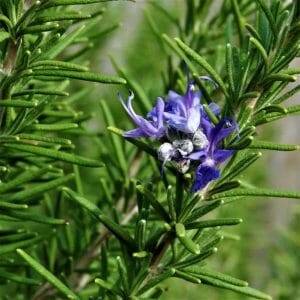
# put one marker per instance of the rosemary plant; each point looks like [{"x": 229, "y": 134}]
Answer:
[{"x": 113, "y": 214}]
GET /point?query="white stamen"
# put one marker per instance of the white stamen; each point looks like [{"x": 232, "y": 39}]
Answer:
[
  {"x": 165, "y": 151},
  {"x": 184, "y": 146},
  {"x": 200, "y": 140}
]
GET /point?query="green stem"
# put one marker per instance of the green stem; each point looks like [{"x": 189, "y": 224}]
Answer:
[{"x": 179, "y": 193}]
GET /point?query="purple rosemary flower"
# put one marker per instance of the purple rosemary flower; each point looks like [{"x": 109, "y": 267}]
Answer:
[
  {"x": 213, "y": 155},
  {"x": 188, "y": 137},
  {"x": 146, "y": 128},
  {"x": 184, "y": 112}
]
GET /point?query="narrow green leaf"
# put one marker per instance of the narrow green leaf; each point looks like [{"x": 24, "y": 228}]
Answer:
[
  {"x": 229, "y": 68},
  {"x": 24, "y": 177},
  {"x": 165, "y": 13},
  {"x": 186, "y": 210},
  {"x": 292, "y": 71},
  {"x": 40, "y": 92},
  {"x": 143, "y": 272},
  {"x": 8, "y": 205},
  {"x": 53, "y": 127},
  {"x": 9, "y": 139},
  {"x": 140, "y": 254},
  {"x": 242, "y": 290},
  {"x": 4, "y": 36},
  {"x": 140, "y": 234},
  {"x": 19, "y": 279},
  {"x": 96, "y": 36},
  {"x": 203, "y": 63},
  {"x": 34, "y": 217},
  {"x": 59, "y": 64},
  {"x": 123, "y": 275},
  {"x": 118, "y": 231},
  {"x": 154, "y": 281},
  {"x": 154, "y": 203},
  {"x": 259, "y": 192},
  {"x": 7, "y": 22},
  {"x": 53, "y": 3},
  {"x": 62, "y": 16},
  {"x": 280, "y": 77},
  {"x": 38, "y": 28},
  {"x": 267, "y": 118},
  {"x": 273, "y": 146},
  {"x": 239, "y": 19},
  {"x": 194, "y": 259},
  {"x": 53, "y": 251},
  {"x": 90, "y": 206},
  {"x": 180, "y": 230},
  {"x": 293, "y": 109},
  {"x": 24, "y": 244},
  {"x": 287, "y": 95},
  {"x": 39, "y": 189},
  {"x": 224, "y": 187},
  {"x": 170, "y": 43},
  {"x": 189, "y": 244},
  {"x": 290, "y": 52},
  {"x": 71, "y": 158},
  {"x": 262, "y": 51},
  {"x": 250, "y": 95},
  {"x": 217, "y": 275},
  {"x": 241, "y": 143},
  {"x": 269, "y": 16},
  {"x": 116, "y": 141},
  {"x": 273, "y": 108},
  {"x": 47, "y": 139},
  {"x": 240, "y": 166},
  {"x": 214, "y": 223},
  {"x": 246, "y": 132},
  {"x": 203, "y": 210},
  {"x": 63, "y": 43},
  {"x": 16, "y": 237},
  {"x": 104, "y": 284},
  {"x": 229, "y": 29},
  {"x": 106, "y": 190},
  {"x": 86, "y": 76},
  {"x": 186, "y": 276},
  {"x": 63, "y": 114},
  {"x": 18, "y": 103},
  {"x": 47, "y": 275}
]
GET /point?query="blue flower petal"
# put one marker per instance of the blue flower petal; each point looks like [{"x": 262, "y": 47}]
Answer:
[
  {"x": 145, "y": 128},
  {"x": 193, "y": 120},
  {"x": 205, "y": 173},
  {"x": 192, "y": 97},
  {"x": 198, "y": 155},
  {"x": 135, "y": 133},
  {"x": 220, "y": 155},
  {"x": 222, "y": 130}
]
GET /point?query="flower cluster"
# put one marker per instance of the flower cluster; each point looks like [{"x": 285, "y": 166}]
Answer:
[{"x": 187, "y": 135}]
